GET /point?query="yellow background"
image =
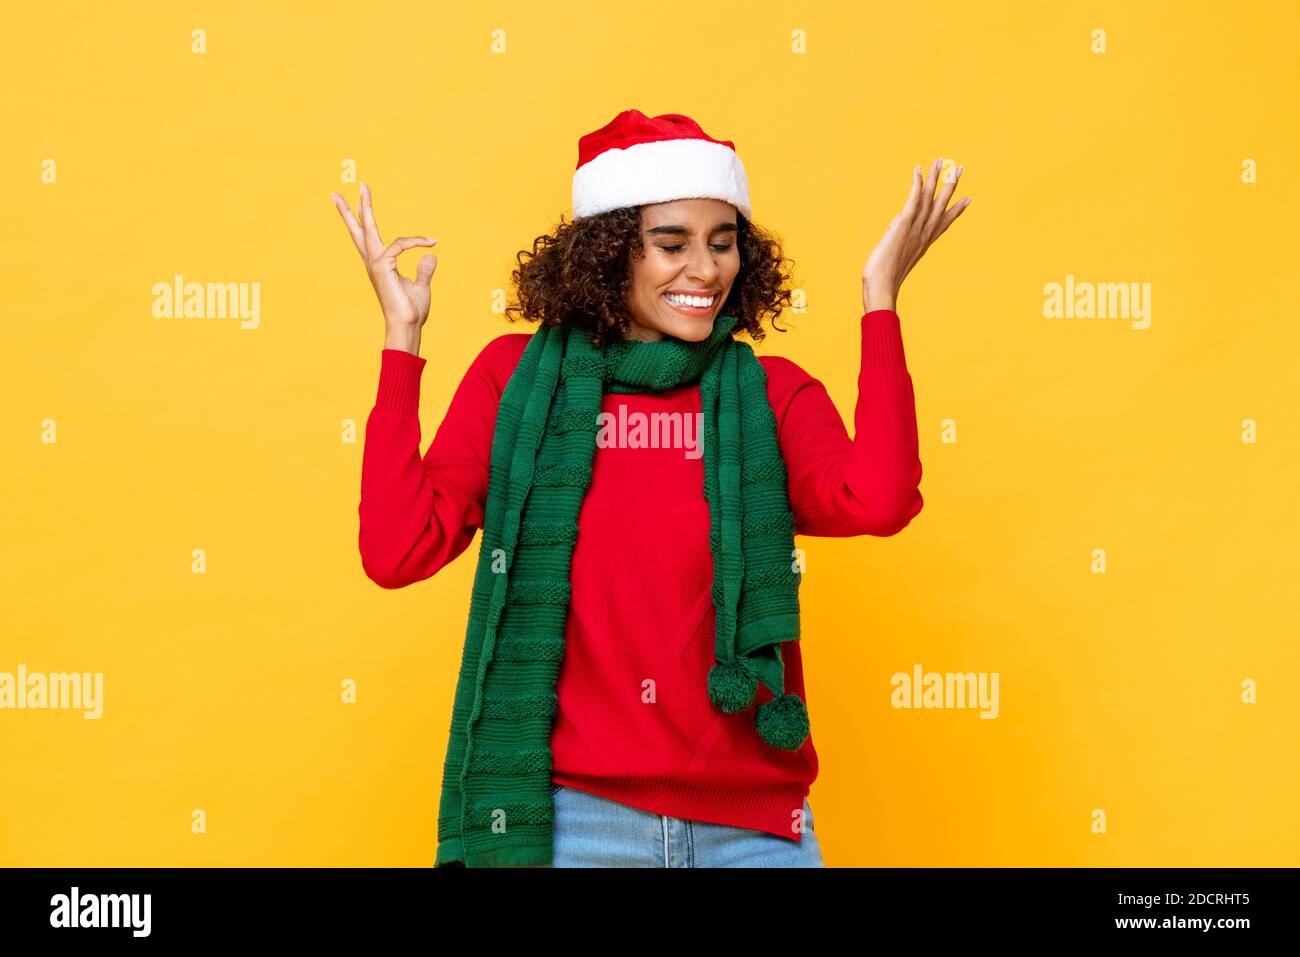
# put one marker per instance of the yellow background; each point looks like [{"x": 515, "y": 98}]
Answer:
[{"x": 1119, "y": 691}]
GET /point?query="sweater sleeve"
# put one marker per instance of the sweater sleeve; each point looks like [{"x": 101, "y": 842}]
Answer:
[
  {"x": 416, "y": 515},
  {"x": 868, "y": 485}
]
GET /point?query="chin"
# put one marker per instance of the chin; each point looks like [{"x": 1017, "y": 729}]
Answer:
[
  {"x": 684, "y": 327},
  {"x": 693, "y": 331}
]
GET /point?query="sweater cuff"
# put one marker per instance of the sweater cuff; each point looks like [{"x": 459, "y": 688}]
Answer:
[
  {"x": 882, "y": 339},
  {"x": 399, "y": 381}
]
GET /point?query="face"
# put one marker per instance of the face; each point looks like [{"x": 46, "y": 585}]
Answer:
[{"x": 691, "y": 249}]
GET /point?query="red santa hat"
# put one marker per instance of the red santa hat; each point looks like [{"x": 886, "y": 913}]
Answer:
[{"x": 636, "y": 159}]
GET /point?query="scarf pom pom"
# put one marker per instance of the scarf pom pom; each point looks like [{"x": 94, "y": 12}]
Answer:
[
  {"x": 732, "y": 685},
  {"x": 783, "y": 722}
]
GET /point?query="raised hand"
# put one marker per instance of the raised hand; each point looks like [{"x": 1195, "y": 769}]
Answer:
[
  {"x": 924, "y": 218},
  {"x": 405, "y": 303}
]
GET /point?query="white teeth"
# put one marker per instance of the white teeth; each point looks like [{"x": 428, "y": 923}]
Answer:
[{"x": 691, "y": 301}]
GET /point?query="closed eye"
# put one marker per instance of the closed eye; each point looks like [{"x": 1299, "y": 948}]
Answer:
[{"x": 680, "y": 246}]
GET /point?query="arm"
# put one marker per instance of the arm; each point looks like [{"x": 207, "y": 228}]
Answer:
[
  {"x": 868, "y": 485},
  {"x": 417, "y": 515}
]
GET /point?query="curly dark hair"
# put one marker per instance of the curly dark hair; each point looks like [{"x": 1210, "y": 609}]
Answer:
[{"x": 579, "y": 275}]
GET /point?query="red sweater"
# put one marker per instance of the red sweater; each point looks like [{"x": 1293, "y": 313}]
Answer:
[{"x": 634, "y": 722}]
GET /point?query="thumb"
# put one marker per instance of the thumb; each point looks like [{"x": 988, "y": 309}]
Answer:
[{"x": 424, "y": 271}]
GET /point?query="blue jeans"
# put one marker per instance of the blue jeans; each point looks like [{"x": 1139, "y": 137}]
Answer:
[{"x": 594, "y": 831}]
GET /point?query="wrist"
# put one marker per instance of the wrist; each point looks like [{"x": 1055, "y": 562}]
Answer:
[
  {"x": 405, "y": 338},
  {"x": 878, "y": 297}
]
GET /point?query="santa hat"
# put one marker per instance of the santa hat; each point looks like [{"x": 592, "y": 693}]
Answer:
[{"x": 636, "y": 159}]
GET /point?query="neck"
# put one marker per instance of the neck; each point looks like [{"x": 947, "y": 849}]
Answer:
[
  {"x": 638, "y": 333},
  {"x": 665, "y": 363}
]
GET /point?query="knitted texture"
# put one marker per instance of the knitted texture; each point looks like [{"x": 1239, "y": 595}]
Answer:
[{"x": 496, "y": 808}]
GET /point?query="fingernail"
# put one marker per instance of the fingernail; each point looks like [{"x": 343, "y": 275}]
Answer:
[{"x": 960, "y": 168}]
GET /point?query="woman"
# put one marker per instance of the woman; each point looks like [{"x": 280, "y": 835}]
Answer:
[{"x": 631, "y": 690}]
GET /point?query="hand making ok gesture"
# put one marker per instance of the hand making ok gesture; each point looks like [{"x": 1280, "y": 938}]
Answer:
[{"x": 405, "y": 303}]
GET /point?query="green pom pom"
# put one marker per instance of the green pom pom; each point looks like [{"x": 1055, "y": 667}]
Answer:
[
  {"x": 732, "y": 685},
  {"x": 783, "y": 722}
]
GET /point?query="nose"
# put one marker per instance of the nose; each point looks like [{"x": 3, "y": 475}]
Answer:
[{"x": 703, "y": 266}]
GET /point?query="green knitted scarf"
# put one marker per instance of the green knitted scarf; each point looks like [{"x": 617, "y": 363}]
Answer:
[{"x": 496, "y": 808}]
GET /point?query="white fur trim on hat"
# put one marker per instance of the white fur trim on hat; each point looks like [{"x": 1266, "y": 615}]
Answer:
[{"x": 658, "y": 172}]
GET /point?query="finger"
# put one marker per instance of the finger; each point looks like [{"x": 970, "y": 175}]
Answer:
[
  {"x": 932, "y": 187},
  {"x": 373, "y": 241},
  {"x": 354, "y": 228},
  {"x": 402, "y": 243},
  {"x": 424, "y": 271},
  {"x": 927, "y": 197},
  {"x": 941, "y": 203},
  {"x": 913, "y": 198},
  {"x": 950, "y": 216}
]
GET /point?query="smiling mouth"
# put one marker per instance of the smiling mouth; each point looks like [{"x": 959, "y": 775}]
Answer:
[{"x": 688, "y": 305}]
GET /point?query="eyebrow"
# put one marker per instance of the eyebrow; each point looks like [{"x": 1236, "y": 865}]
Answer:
[{"x": 725, "y": 227}]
